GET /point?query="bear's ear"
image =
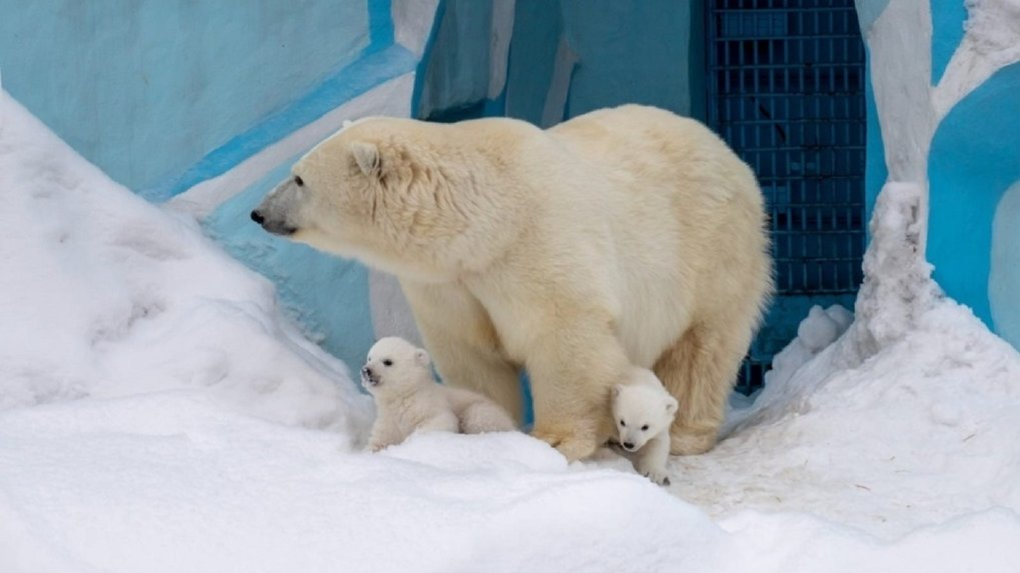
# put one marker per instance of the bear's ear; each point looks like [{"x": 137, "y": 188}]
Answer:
[
  {"x": 422, "y": 357},
  {"x": 671, "y": 406},
  {"x": 617, "y": 388},
  {"x": 367, "y": 158}
]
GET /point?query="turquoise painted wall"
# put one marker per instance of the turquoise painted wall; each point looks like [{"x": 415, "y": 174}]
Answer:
[
  {"x": 147, "y": 89},
  {"x": 628, "y": 51},
  {"x": 974, "y": 160},
  {"x": 164, "y": 94},
  {"x": 538, "y": 27},
  {"x": 1004, "y": 277},
  {"x": 973, "y": 174}
]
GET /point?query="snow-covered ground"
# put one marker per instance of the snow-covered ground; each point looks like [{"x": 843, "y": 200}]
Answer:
[{"x": 158, "y": 413}]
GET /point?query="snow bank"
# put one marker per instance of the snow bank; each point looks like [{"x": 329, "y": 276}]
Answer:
[
  {"x": 158, "y": 415},
  {"x": 200, "y": 491},
  {"x": 910, "y": 419},
  {"x": 105, "y": 295}
]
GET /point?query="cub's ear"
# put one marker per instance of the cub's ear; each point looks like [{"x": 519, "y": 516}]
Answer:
[
  {"x": 671, "y": 406},
  {"x": 422, "y": 357},
  {"x": 617, "y": 388},
  {"x": 367, "y": 158}
]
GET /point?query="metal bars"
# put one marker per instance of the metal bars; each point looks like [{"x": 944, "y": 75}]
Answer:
[{"x": 786, "y": 91}]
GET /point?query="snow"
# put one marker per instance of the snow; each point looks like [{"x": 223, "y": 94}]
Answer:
[
  {"x": 815, "y": 333},
  {"x": 157, "y": 413},
  {"x": 105, "y": 295}
]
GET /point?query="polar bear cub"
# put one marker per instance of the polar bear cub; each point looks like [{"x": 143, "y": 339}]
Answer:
[
  {"x": 643, "y": 412},
  {"x": 399, "y": 376}
]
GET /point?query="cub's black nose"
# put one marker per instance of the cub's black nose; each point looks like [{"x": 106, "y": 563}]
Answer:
[
  {"x": 628, "y": 445},
  {"x": 257, "y": 217},
  {"x": 366, "y": 372}
]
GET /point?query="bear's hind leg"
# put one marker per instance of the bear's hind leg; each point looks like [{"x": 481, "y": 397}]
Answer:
[{"x": 700, "y": 370}]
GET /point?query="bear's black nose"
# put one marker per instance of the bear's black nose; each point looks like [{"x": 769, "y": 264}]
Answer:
[
  {"x": 628, "y": 445},
  {"x": 367, "y": 372},
  {"x": 257, "y": 217}
]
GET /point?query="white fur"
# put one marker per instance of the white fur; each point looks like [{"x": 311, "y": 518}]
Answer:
[
  {"x": 643, "y": 412},
  {"x": 623, "y": 237},
  {"x": 408, "y": 400}
]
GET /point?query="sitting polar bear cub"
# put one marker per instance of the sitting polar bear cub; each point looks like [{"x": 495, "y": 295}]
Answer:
[
  {"x": 408, "y": 400},
  {"x": 643, "y": 412}
]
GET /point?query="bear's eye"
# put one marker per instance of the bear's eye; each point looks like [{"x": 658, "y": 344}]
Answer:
[
  {"x": 298, "y": 181},
  {"x": 387, "y": 362},
  {"x": 623, "y": 424},
  {"x": 644, "y": 428}
]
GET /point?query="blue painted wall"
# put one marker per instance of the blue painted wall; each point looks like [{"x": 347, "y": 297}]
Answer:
[
  {"x": 1004, "y": 277},
  {"x": 973, "y": 174},
  {"x": 165, "y": 94},
  {"x": 631, "y": 51},
  {"x": 973, "y": 161},
  {"x": 947, "y": 18},
  {"x": 146, "y": 89},
  {"x": 538, "y": 27},
  {"x": 628, "y": 51},
  {"x": 456, "y": 72}
]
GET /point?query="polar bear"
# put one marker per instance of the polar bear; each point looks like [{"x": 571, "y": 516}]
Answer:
[
  {"x": 643, "y": 411},
  {"x": 399, "y": 377},
  {"x": 623, "y": 237}
]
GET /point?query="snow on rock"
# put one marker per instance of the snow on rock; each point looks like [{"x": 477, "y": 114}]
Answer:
[
  {"x": 991, "y": 41},
  {"x": 815, "y": 333},
  {"x": 105, "y": 295},
  {"x": 157, "y": 414},
  {"x": 897, "y": 280}
]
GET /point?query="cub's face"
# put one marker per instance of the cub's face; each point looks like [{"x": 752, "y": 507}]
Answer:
[
  {"x": 393, "y": 363},
  {"x": 640, "y": 413},
  {"x": 366, "y": 193}
]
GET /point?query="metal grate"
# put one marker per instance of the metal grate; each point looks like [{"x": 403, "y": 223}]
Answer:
[{"x": 786, "y": 91}]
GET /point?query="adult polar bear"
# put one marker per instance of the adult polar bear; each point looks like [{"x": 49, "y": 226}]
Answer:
[{"x": 626, "y": 236}]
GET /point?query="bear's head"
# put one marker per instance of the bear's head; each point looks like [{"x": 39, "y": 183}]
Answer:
[
  {"x": 641, "y": 410},
  {"x": 394, "y": 363},
  {"x": 409, "y": 197}
]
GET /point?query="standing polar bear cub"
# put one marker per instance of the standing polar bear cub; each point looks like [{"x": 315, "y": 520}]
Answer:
[
  {"x": 643, "y": 411},
  {"x": 408, "y": 400},
  {"x": 625, "y": 237}
]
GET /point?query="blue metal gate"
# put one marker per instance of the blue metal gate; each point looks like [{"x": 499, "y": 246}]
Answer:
[{"x": 786, "y": 91}]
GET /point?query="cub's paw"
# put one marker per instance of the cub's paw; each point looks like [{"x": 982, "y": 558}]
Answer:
[{"x": 659, "y": 476}]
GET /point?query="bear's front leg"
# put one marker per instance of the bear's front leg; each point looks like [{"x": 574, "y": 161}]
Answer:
[
  {"x": 652, "y": 460},
  {"x": 462, "y": 340},
  {"x": 384, "y": 434},
  {"x": 572, "y": 371}
]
